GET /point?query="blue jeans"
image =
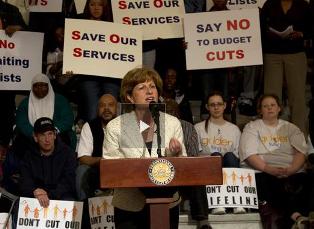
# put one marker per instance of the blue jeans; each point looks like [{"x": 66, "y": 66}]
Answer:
[
  {"x": 87, "y": 181},
  {"x": 90, "y": 89},
  {"x": 229, "y": 160}
]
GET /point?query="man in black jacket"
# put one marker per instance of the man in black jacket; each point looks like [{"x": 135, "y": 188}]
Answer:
[
  {"x": 48, "y": 169},
  {"x": 91, "y": 145}
]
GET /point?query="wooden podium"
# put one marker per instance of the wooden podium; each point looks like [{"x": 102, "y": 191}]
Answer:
[{"x": 160, "y": 172}]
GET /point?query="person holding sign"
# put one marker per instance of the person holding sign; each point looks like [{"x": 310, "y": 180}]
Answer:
[
  {"x": 218, "y": 137},
  {"x": 285, "y": 24},
  {"x": 48, "y": 169},
  {"x": 11, "y": 21},
  {"x": 90, "y": 88},
  {"x": 133, "y": 135},
  {"x": 276, "y": 149}
]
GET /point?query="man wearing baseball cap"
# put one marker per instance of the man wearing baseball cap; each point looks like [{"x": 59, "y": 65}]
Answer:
[{"x": 48, "y": 168}]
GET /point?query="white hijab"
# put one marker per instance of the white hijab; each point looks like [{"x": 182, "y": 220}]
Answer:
[{"x": 44, "y": 107}]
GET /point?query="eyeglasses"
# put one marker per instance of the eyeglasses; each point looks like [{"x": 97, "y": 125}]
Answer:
[{"x": 215, "y": 105}]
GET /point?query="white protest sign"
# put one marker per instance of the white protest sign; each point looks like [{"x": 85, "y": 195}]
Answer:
[
  {"x": 45, "y": 5},
  {"x": 20, "y": 59},
  {"x": 239, "y": 4},
  {"x": 238, "y": 190},
  {"x": 101, "y": 48},
  {"x": 157, "y": 18},
  {"x": 101, "y": 212},
  {"x": 59, "y": 214},
  {"x": 5, "y": 221},
  {"x": 80, "y": 5},
  {"x": 223, "y": 39}
]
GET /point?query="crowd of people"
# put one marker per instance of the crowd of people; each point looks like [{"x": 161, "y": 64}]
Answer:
[{"x": 42, "y": 157}]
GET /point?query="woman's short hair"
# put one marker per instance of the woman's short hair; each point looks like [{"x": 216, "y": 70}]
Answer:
[
  {"x": 264, "y": 96},
  {"x": 136, "y": 76}
]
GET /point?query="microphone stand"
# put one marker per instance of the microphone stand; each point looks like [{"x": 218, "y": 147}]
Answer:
[{"x": 155, "y": 115}]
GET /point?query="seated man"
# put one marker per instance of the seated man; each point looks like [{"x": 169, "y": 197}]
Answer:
[
  {"x": 48, "y": 169},
  {"x": 90, "y": 147}
]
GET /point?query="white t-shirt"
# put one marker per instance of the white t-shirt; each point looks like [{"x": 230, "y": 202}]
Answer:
[
  {"x": 86, "y": 145},
  {"x": 219, "y": 138},
  {"x": 273, "y": 144}
]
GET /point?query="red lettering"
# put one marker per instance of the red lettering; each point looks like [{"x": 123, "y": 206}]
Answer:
[
  {"x": 208, "y": 56},
  {"x": 240, "y": 54},
  {"x": 44, "y": 2},
  {"x": 77, "y": 52},
  {"x": 230, "y": 52},
  {"x": 158, "y": 3},
  {"x": 222, "y": 56},
  {"x": 243, "y": 24},
  {"x": 225, "y": 55},
  {"x": 114, "y": 38},
  {"x": 126, "y": 20},
  {"x": 122, "y": 5},
  {"x": 76, "y": 35},
  {"x": 5, "y": 44}
]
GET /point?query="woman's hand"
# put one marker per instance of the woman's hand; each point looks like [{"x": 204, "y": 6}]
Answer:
[
  {"x": 42, "y": 197},
  {"x": 11, "y": 29},
  {"x": 275, "y": 171},
  {"x": 175, "y": 148}
]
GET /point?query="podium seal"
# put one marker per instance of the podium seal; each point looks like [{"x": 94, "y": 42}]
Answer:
[{"x": 161, "y": 172}]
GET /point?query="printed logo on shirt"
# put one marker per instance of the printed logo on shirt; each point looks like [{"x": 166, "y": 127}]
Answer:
[
  {"x": 204, "y": 141},
  {"x": 274, "y": 138},
  {"x": 273, "y": 142},
  {"x": 218, "y": 141}
]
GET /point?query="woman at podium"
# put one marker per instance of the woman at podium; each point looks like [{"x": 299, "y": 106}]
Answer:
[{"x": 142, "y": 131}]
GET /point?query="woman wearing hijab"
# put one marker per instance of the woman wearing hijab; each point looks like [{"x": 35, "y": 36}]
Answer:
[{"x": 43, "y": 102}]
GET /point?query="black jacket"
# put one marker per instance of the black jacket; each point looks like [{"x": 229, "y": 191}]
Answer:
[{"x": 55, "y": 173}]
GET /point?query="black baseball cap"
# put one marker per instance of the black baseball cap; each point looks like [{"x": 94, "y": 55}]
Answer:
[{"x": 43, "y": 124}]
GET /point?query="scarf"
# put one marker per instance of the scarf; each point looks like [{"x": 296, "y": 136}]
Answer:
[{"x": 43, "y": 107}]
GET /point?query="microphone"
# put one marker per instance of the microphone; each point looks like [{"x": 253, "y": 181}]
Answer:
[{"x": 154, "y": 108}]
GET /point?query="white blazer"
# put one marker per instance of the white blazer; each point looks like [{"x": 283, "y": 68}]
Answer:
[{"x": 124, "y": 140}]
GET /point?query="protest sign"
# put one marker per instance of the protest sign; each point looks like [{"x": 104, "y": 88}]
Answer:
[
  {"x": 20, "y": 59},
  {"x": 223, "y": 39},
  {"x": 59, "y": 214},
  {"x": 79, "y": 6},
  {"x": 101, "y": 48},
  {"x": 45, "y": 5},
  {"x": 101, "y": 212},
  {"x": 157, "y": 18},
  {"x": 238, "y": 190},
  {"x": 239, "y": 4}
]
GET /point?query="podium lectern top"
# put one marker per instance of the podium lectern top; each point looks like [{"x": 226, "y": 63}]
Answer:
[{"x": 160, "y": 172}]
